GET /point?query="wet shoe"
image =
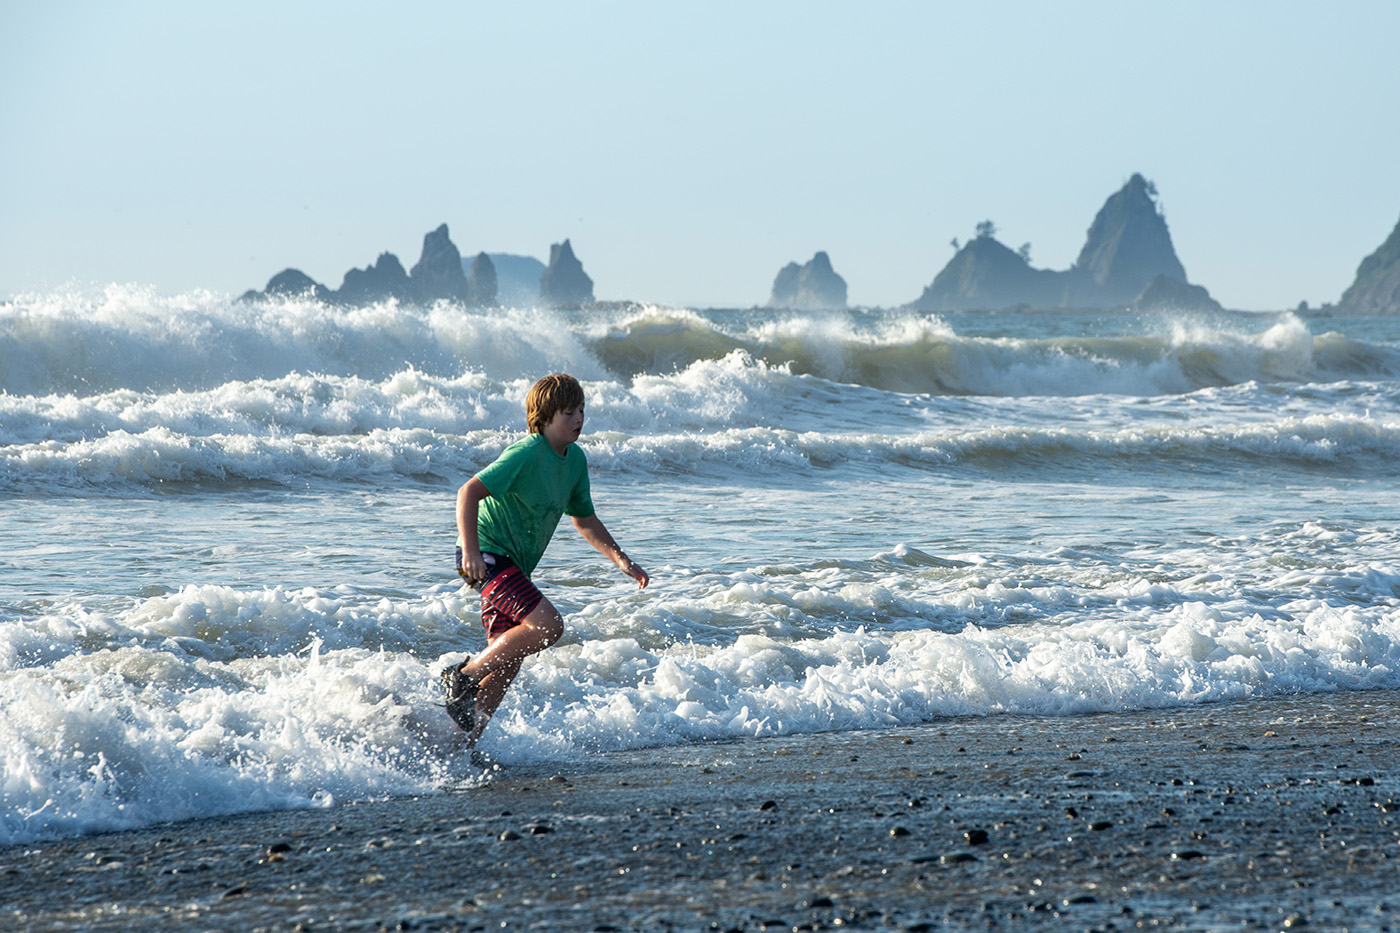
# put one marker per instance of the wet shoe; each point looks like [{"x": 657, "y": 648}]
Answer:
[{"x": 461, "y": 696}]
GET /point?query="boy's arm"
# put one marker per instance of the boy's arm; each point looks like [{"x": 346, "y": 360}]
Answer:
[
  {"x": 597, "y": 535},
  {"x": 468, "y": 503}
]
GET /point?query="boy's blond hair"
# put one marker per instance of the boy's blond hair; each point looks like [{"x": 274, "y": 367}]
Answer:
[{"x": 548, "y": 397}]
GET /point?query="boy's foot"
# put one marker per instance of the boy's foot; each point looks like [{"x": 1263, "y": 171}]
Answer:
[{"x": 461, "y": 696}]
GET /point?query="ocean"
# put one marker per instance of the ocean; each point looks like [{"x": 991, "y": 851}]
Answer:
[{"x": 227, "y": 580}]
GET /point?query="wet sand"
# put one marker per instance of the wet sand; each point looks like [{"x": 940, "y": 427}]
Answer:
[{"x": 1259, "y": 815}]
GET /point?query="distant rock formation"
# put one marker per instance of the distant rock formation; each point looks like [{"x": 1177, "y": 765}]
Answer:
[
  {"x": 290, "y": 283},
  {"x": 481, "y": 282},
  {"x": 1127, "y": 247},
  {"x": 1376, "y": 289},
  {"x": 437, "y": 276},
  {"x": 1128, "y": 244},
  {"x": 382, "y": 281},
  {"x": 984, "y": 274},
  {"x": 517, "y": 279},
  {"x": 564, "y": 283},
  {"x": 438, "y": 273},
  {"x": 1168, "y": 294},
  {"x": 812, "y": 287}
]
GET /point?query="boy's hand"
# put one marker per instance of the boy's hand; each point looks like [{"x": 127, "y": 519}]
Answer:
[
  {"x": 636, "y": 572},
  {"x": 473, "y": 568}
]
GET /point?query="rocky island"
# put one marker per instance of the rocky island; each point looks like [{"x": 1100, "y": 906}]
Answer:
[
  {"x": 1128, "y": 261},
  {"x": 1127, "y": 250},
  {"x": 441, "y": 274},
  {"x": 564, "y": 283},
  {"x": 814, "y": 286}
]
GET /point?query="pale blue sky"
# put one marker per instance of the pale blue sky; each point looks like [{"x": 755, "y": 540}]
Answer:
[{"x": 690, "y": 150}]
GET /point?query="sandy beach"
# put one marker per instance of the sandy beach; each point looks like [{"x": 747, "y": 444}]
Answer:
[{"x": 1258, "y": 815}]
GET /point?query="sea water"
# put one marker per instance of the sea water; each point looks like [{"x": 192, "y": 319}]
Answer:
[{"x": 227, "y": 582}]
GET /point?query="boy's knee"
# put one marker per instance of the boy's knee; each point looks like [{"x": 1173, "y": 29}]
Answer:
[
  {"x": 546, "y": 620},
  {"x": 554, "y": 629}
]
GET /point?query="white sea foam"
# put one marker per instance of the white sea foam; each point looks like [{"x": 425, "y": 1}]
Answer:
[
  {"x": 734, "y": 413},
  {"x": 160, "y": 455},
  {"x": 211, "y": 700},
  {"x": 130, "y": 338}
]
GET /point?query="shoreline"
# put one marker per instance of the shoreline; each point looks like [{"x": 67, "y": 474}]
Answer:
[{"x": 1255, "y": 815}]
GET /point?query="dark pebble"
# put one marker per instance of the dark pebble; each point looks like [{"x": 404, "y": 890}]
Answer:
[
  {"x": 1187, "y": 855},
  {"x": 1100, "y": 826},
  {"x": 899, "y": 831},
  {"x": 976, "y": 837},
  {"x": 541, "y": 830},
  {"x": 235, "y": 892},
  {"x": 957, "y": 858},
  {"x": 769, "y": 805},
  {"x": 277, "y": 848},
  {"x": 1295, "y": 920}
]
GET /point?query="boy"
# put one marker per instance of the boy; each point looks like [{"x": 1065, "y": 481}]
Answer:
[{"x": 506, "y": 515}]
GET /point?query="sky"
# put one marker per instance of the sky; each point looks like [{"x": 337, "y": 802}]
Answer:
[{"x": 690, "y": 150}]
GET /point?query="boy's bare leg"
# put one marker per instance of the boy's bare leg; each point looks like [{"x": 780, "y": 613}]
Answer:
[
  {"x": 536, "y": 632},
  {"x": 494, "y": 669},
  {"x": 489, "y": 695}
]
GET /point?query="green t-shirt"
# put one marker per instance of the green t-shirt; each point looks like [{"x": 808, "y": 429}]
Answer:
[{"x": 531, "y": 486}]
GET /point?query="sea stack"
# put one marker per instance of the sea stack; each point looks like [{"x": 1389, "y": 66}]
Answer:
[
  {"x": 1376, "y": 289},
  {"x": 564, "y": 283},
  {"x": 481, "y": 282},
  {"x": 811, "y": 287},
  {"x": 384, "y": 280},
  {"x": 1127, "y": 247},
  {"x": 438, "y": 274},
  {"x": 290, "y": 283},
  {"x": 985, "y": 274}
]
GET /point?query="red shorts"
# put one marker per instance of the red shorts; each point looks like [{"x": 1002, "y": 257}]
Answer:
[
  {"x": 507, "y": 595},
  {"x": 506, "y": 599}
]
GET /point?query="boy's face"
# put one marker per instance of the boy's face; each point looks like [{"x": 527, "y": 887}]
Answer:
[{"x": 564, "y": 428}]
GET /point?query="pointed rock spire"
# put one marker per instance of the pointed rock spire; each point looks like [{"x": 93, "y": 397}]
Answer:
[
  {"x": 438, "y": 273},
  {"x": 1128, "y": 244},
  {"x": 811, "y": 287},
  {"x": 564, "y": 283}
]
